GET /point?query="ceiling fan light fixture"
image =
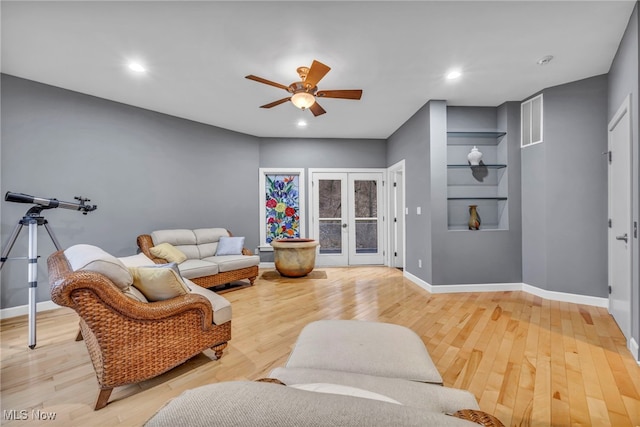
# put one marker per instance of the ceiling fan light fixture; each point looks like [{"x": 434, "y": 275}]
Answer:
[{"x": 303, "y": 100}]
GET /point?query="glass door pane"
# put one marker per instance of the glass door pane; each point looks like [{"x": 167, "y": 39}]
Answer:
[
  {"x": 330, "y": 215},
  {"x": 365, "y": 197}
]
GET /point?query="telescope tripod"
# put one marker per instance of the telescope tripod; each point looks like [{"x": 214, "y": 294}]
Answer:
[{"x": 31, "y": 219}]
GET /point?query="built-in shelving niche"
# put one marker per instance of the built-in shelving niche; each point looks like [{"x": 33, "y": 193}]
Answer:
[{"x": 484, "y": 185}]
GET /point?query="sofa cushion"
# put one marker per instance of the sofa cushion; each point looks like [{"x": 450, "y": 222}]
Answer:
[
  {"x": 176, "y": 237},
  {"x": 345, "y": 391},
  {"x": 230, "y": 246},
  {"x": 233, "y": 262},
  {"x": 158, "y": 282},
  {"x": 433, "y": 397},
  {"x": 169, "y": 252},
  {"x": 137, "y": 260},
  {"x": 92, "y": 258},
  {"x": 181, "y": 239},
  {"x": 207, "y": 240},
  {"x": 221, "y": 306},
  {"x": 372, "y": 348},
  {"x": 245, "y": 403},
  {"x": 135, "y": 294},
  {"x": 194, "y": 268}
]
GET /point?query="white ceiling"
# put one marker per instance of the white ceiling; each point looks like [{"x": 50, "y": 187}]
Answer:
[{"x": 198, "y": 53}]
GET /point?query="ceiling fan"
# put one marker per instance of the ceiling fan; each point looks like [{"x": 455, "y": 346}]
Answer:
[{"x": 305, "y": 91}]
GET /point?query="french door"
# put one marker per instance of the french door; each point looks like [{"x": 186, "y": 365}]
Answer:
[{"x": 347, "y": 217}]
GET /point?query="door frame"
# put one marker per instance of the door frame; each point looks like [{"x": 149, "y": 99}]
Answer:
[
  {"x": 395, "y": 232},
  {"x": 625, "y": 108},
  {"x": 383, "y": 192}
]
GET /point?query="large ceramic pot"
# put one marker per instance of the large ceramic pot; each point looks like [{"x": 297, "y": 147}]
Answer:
[{"x": 294, "y": 257}]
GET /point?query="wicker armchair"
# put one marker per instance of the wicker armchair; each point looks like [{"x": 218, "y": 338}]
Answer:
[{"x": 131, "y": 341}]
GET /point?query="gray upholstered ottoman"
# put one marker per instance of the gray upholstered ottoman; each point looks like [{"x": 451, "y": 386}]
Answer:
[{"x": 370, "y": 348}]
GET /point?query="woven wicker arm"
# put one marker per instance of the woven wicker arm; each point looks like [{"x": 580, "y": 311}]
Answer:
[
  {"x": 478, "y": 417},
  {"x": 129, "y": 341},
  {"x": 145, "y": 243}
]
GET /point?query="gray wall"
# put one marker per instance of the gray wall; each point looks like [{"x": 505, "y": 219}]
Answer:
[
  {"x": 491, "y": 256},
  {"x": 624, "y": 79},
  {"x": 411, "y": 143},
  {"x": 320, "y": 153},
  {"x": 454, "y": 257},
  {"x": 144, "y": 170},
  {"x": 564, "y": 192}
]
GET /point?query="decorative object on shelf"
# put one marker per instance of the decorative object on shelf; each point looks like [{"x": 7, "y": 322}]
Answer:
[
  {"x": 474, "y": 218},
  {"x": 294, "y": 257},
  {"x": 474, "y": 156}
]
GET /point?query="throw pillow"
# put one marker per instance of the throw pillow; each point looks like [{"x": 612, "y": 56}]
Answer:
[
  {"x": 92, "y": 258},
  {"x": 159, "y": 282},
  {"x": 135, "y": 294},
  {"x": 230, "y": 246},
  {"x": 168, "y": 252},
  {"x": 344, "y": 390}
]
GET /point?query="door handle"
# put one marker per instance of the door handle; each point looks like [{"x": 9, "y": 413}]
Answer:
[
  {"x": 624, "y": 237},
  {"x": 344, "y": 225}
]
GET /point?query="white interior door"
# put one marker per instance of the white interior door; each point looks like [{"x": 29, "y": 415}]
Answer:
[
  {"x": 397, "y": 214},
  {"x": 620, "y": 216},
  {"x": 347, "y": 218}
]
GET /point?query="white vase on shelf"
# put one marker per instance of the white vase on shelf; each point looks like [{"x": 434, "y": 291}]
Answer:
[{"x": 474, "y": 156}]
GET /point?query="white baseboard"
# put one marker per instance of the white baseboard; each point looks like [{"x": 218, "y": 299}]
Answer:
[
  {"x": 267, "y": 265},
  {"x": 23, "y": 310},
  {"x": 418, "y": 281},
  {"x": 498, "y": 287},
  {"x": 566, "y": 297},
  {"x": 633, "y": 347}
]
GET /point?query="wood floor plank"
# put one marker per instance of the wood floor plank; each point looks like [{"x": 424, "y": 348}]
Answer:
[{"x": 527, "y": 360}]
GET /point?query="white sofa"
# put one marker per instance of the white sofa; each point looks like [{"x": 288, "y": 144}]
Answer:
[
  {"x": 340, "y": 373},
  {"x": 203, "y": 265}
]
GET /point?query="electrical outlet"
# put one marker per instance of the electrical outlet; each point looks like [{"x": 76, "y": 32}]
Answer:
[
  {"x": 418, "y": 210},
  {"x": 419, "y": 263}
]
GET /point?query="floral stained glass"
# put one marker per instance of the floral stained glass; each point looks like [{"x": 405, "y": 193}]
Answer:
[{"x": 282, "y": 208}]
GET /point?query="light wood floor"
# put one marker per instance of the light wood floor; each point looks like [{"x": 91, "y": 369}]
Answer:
[{"x": 529, "y": 361}]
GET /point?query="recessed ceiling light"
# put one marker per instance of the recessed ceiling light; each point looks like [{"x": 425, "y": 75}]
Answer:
[
  {"x": 137, "y": 67},
  {"x": 544, "y": 60},
  {"x": 302, "y": 123},
  {"x": 453, "y": 74}
]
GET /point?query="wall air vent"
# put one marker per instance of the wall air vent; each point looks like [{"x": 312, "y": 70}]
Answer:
[{"x": 531, "y": 121}]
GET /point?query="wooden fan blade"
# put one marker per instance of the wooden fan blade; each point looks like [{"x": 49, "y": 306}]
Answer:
[
  {"x": 265, "y": 81},
  {"x": 317, "y": 71},
  {"x": 316, "y": 109},
  {"x": 343, "y": 94},
  {"x": 274, "y": 103}
]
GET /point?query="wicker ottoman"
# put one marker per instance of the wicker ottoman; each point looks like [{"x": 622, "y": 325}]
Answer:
[{"x": 370, "y": 348}]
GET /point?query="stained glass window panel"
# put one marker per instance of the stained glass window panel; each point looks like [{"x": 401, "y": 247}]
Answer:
[{"x": 282, "y": 207}]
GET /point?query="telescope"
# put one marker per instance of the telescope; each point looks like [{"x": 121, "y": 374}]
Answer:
[
  {"x": 32, "y": 219},
  {"x": 51, "y": 203}
]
